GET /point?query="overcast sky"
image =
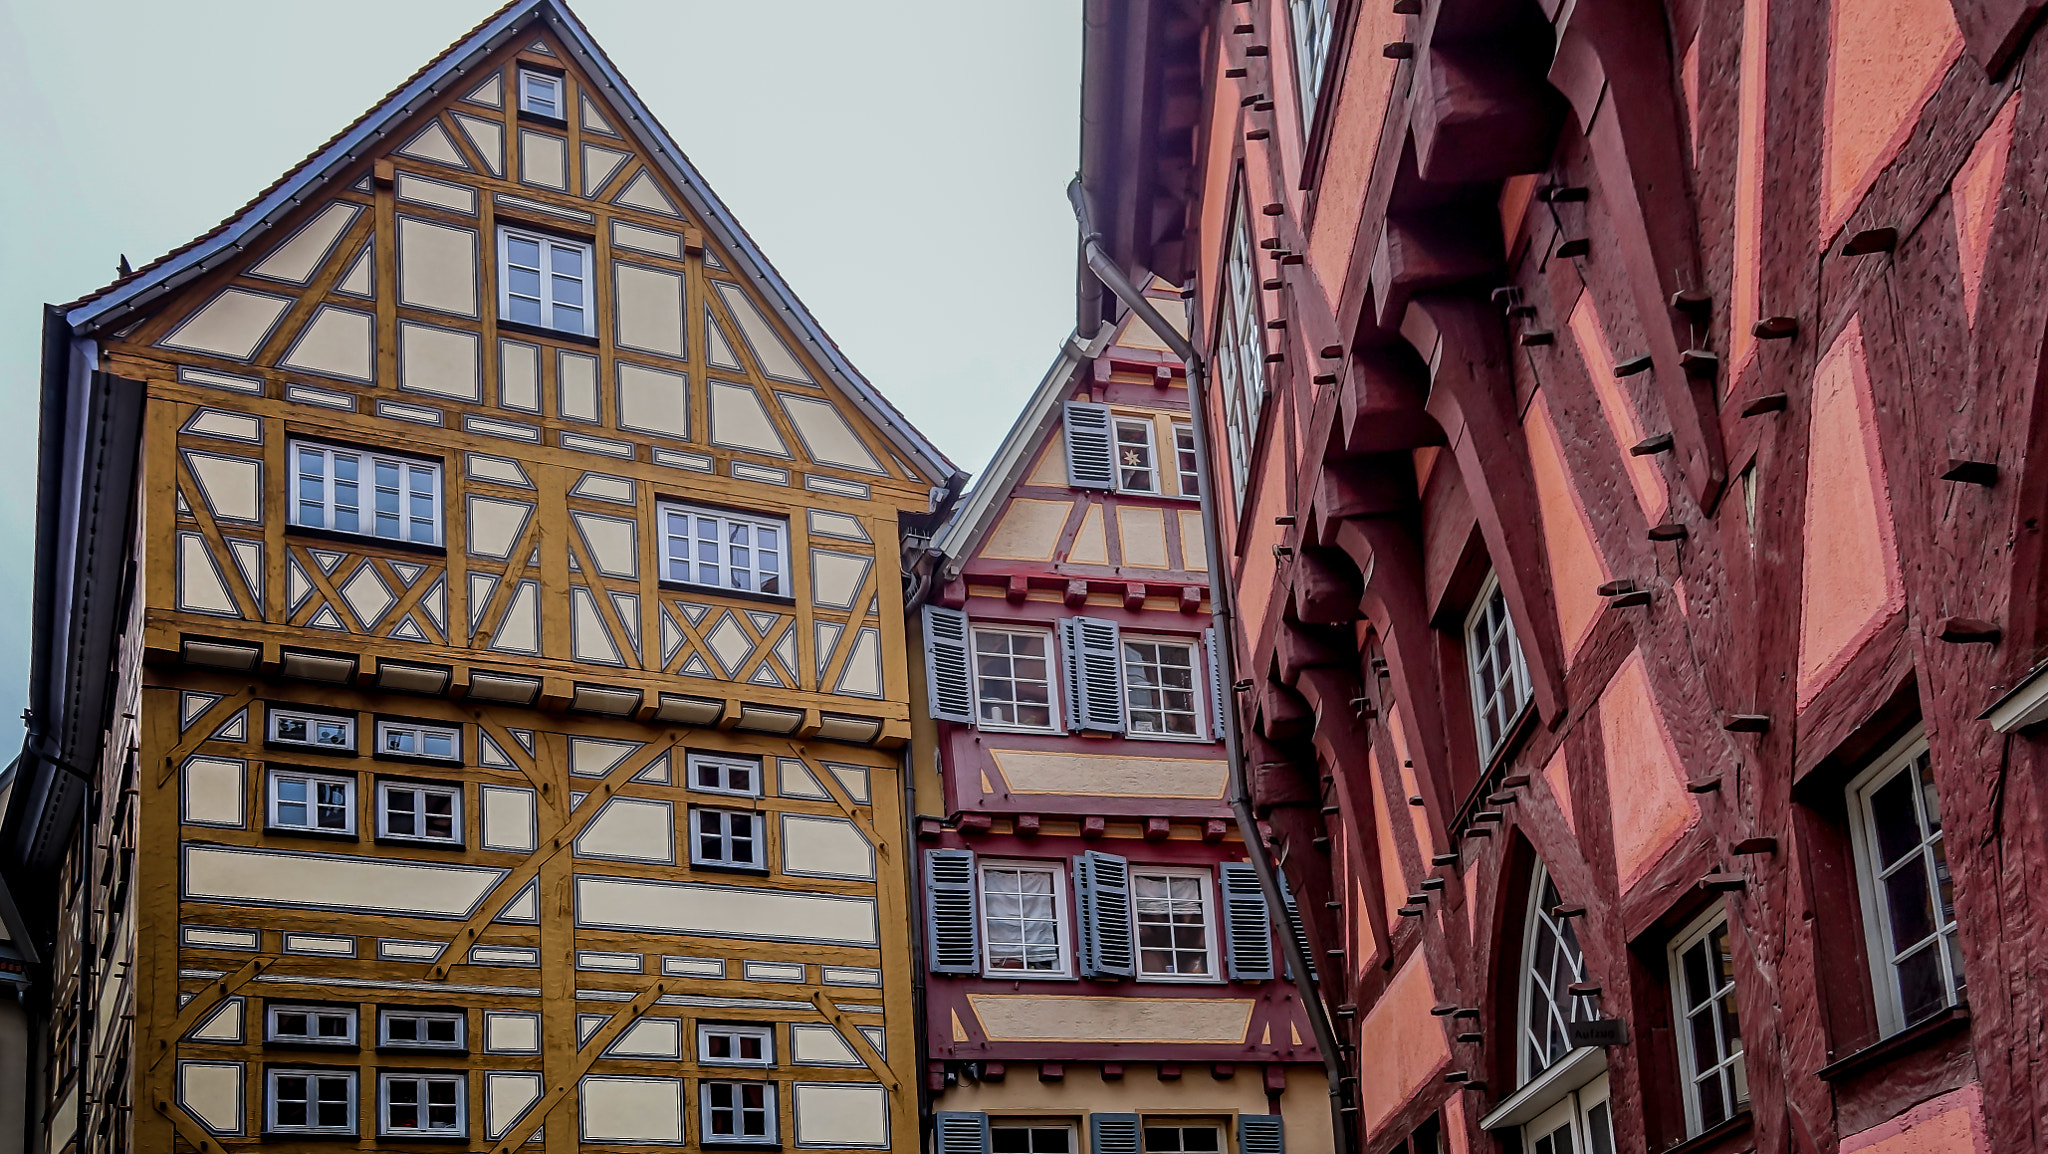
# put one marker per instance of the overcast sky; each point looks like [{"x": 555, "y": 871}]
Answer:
[{"x": 901, "y": 161}]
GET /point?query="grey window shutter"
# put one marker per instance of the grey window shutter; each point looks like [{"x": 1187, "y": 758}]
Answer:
[
  {"x": 1218, "y": 705},
  {"x": 1103, "y": 894},
  {"x": 1260, "y": 1134},
  {"x": 1094, "y": 654},
  {"x": 1070, "y": 669},
  {"x": 955, "y": 928},
  {"x": 961, "y": 1132},
  {"x": 1112, "y": 1134},
  {"x": 1247, "y": 931},
  {"x": 1091, "y": 449},
  {"x": 1294, "y": 926},
  {"x": 949, "y": 685}
]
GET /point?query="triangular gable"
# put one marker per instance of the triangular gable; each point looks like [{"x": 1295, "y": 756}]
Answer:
[{"x": 120, "y": 302}]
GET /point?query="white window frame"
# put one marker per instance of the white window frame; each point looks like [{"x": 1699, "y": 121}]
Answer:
[
  {"x": 1240, "y": 356},
  {"x": 1314, "y": 25},
  {"x": 724, "y": 765},
  {"x": 760, "y": 838},
  {"x": 1117, "y": 424},
  {"x": 367, "y": 464},
  {"x": 388, "y": 1015},
  {"x": 270, "y": 799},
  {"x": 1183, "y": 1125},
  {"x": 345, "y": 1013},
  {"x": 1063, "y": 945},
  {"x": 420, "y": 731},
  {"x": 769, "y": 1107},
  {"x": 1034, "y": 1126},
  {"x": 1690, "y": 1088},
  {"x": 1908, "y": 756},
  {"x": 1567, "y": 1007},
  {"x": 1197, "y": 675},
  {"x": 1515, "y": 680},
  {"x": 764, "y": 1034},
  {"x": 548, "y": 80},
  {"x": 422, "y": 1079},
  {"x": 1052, "y": 677},
  {"x": 724, "y": 520},
  {"x": 546, "y": 300},
  {"x": 1584, "y": 1109},
  {"x": 1186, "y": 469},
  {"x": 421, "y": 789},
  {"x": 347, "y": 724},
  {"x": 1202, "y": 879},
  {"x": 313, "y": 1076}
]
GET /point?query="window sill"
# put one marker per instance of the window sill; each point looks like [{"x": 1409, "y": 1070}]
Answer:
[
  {"x": 512, "y": 326},
  {"x": 715, "y": 1144},
  {"x": 322, "y": 1047},
  {"x": 1954, "y": 1020},
  {"x": 315, "y": 834},
  {"x": 1546, "y": 1089},
  {"x": 391, "y": 1049},
  {"x": 419, "y": 843},
  {"x": 433, "y": 1139},
  {"x": 719, "y": 867},
  {"x": 1020, "y": 976},
  {"x": 542, "y": 119},
  {"x": 418, "y": 759},
  {"x": 1178, "y": 979},
  {"x": 296, "y": 749},
  {"x": 722, "y": 591},
  {"x": 311, "y": 1136},
  {"x": 344, "y": 537},
  {"x": 1714, "y": 1135},
  {"x": 698, "y": 789}
]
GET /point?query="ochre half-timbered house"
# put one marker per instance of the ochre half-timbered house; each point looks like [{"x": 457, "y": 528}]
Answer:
[
  {"x": 1630, "y": 445},
  {"x": 1103, "y": 967},
  {"x": 470, "y": 682}
]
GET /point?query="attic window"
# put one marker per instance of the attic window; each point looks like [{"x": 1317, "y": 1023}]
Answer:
[{"x": 540, "y": 93}]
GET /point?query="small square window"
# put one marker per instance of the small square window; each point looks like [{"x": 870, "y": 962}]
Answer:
[
  {"x": 310, "y": 1101},
  {"x": 406, "y": 739},
  {"x": 738, "y": 1112},
  {"x": 540, "y": 93},
  {"x": 309, "y": 1025},
  {"x": 1023, "y": 920},
  {"x": 1159, "y": 688},
  {"x": 318, "y": 730},
  {"x": 723, "y": 837},
  {"x": 424, "y": 1104},
  {"x": 738, "y": 776},
  {"x": 421, "y": 1029},
  {"x": 1136, "y": 463},
  {"x": 312, "y": 802},
  {"x": 1170, "y": 916},
  {"x": 1029, "y": 1138},
  {"x": 728, "y": 1045},
  {"x": 1013, "y": 679},
  {"x": 544, "y": 281},
  {"x": 724, "y": 550},
  {"x": 416, "y": 812},
  {"x": 368, "y": 494}
]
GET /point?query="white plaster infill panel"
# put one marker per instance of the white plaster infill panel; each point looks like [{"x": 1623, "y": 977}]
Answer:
[
  {"x": 723, "y": 911},
  {"x": 237, "y": 876}
]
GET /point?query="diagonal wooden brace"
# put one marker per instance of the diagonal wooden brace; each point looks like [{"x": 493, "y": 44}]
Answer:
[
  {"x": 832, "y": 786},
  {"x": 189, "y": 1128},
  {"x": 592, "y": 1050},
  {"x": 502, "y": 737},
  {"x": 857, "y": 1040},
  {"x": 203, "y": 1003},
  {"x": 199, "y": 731}
]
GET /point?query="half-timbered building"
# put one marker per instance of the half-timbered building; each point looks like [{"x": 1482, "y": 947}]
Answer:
[
  {"x": 1630, "y": 457},
  {"x": 1102, "y": 965},
  {"x": 469, "y": 682}
]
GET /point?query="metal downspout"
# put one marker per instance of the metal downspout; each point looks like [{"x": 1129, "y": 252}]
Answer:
[{"x": 1220, "y": 610}]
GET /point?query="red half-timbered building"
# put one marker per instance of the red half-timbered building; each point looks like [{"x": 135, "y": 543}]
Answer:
[{"x": 1629, "y": 459}]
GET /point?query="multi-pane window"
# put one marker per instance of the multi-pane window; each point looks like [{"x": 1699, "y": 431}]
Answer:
[
  {"x": 289, "y": 727},
  {"x": 1184, "y": 459},
  {"x": 540, "y": 93},
  {"x": 1020, "y": 1138},
  {"x": 1241, "y": 354},
  {"x": 424, "y": 1104},
  {"x": 1500, "y": 678},
  {"x": 1709, "y": 1026},
  {"x": 1136, "y": 470},
  {"x": 723, "y": 837},
  {"x": 1314, "y": 25},
  {"x": 310, "y": 1025},
  {"x": 1202, "y": 1139},
  {"x": 738, "y": 776},
  {"x": 1170, "y": 910},
  {"x": 1551, "y": 962},
  {"x": 725, "y": 550},
  {"x": 544, "y": 281},
  {"x": 724, "y": 1045},
  {"x": 738, "y": 1112},
  {"x": 1909, "y": 911},
  {"x": 311, "y": 801},
  {"x": 417, "y": 812},
  {"x": 1159, "y": 688},
  {"x": 420, "y": 1029},
  {"x": 1021, "y": 911},
  {"x": 1013, "y": 678},
  {"x": 404, "y": 739},
  {"x": 351, "y": 491},
  {"x": 310, "y": 1101}
]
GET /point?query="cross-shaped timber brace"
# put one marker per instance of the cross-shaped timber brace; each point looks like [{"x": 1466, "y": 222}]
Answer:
[
  {"x": 593, "y": 1049},
  {"x": 831, "y": 784},
  {"x": 217, "y": 991}
]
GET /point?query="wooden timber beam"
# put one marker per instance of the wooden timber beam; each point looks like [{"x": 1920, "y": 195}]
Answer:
[
  {"x": 593, "y": 1049},
  {"x": 857, "y": 1040},
  {"x": 544, "y": 786},
  {"x": 201, "y": 730},
  {"x": 831, "y": 785},
  {"x": 205, "y": 1001},
  {"x": 188, "y": 1127}
]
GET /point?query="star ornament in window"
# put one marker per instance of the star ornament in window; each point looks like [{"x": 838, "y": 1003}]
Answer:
[{"x": 1131, "y": 457}]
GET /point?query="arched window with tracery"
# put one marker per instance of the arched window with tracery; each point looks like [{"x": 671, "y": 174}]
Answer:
[
  {"x": 1560, "y": 1103},
  {"x": 1551, "y": 963}
]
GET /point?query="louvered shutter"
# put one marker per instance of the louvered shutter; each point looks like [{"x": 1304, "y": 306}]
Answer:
[
  {"x": 961, "y": 1132},
  {"x": 1260, "y": 1134},
  {"x": 1094, "y": 653},
  {"x": 1218, "y": 704},
  {"x": 1070, "y": 669},
  {"x": 954, "y": 930},
  {"x": 1112, "y": 1134},
  {"x": 1103, "y": 894},
  {"x": 1295, "y": 927},
  {"x": 1247, "y": 930},
  {"x": 1091, "y": 449},
  {"x": 949, "y": 685}
]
